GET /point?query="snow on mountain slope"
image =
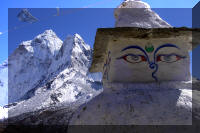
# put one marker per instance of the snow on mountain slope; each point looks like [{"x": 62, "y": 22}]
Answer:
[
  {"x": 29, "y": 63},
  {"x": 3, "y": 113},
  {"x": 3, "y": 83},
  {"x": 46, "y": 72}
]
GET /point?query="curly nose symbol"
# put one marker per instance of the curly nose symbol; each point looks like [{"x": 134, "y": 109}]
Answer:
[{"x": 154, "y": 66}]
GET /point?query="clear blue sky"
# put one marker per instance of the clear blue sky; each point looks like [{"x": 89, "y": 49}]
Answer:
[{"x": 5, "y": 4}]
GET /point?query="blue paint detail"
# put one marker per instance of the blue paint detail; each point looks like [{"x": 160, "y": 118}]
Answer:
[
  {"x": 106, "y": 66},
  {"x": 152, "y": 65}
]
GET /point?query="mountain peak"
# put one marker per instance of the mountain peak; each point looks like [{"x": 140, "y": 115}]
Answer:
[
  {"x": 76, "y": 35},
  {"x": 49, "y": 32},
  {"x": 79, "y": 40},
  {"x": 46, "y": 35}
]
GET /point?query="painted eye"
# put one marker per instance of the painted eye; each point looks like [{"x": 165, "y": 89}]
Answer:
[
  {"x": 131, "y": 58},
  {"x": 169, "y": 58}
]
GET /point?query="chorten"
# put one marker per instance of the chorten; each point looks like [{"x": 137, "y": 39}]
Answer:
[{"x": 146, "y": 71}]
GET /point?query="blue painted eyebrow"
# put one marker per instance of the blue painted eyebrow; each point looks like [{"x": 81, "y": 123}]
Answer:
[
  {"x": 138, "y": 47},
  {"x": 133, "y": 47},
  {"x": 166, "y": 45}
]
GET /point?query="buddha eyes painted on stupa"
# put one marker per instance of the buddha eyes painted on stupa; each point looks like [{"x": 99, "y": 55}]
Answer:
[
  {"x": 151, "y": 56},
  {"x": 168, "y": 58},
  {"x": 138, "y": 58}
]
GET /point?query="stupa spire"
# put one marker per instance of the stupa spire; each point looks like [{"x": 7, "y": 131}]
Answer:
[{"x": 136, "y": 13}]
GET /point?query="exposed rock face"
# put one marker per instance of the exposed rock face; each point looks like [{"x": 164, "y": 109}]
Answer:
[
  {"x": 135, "y": 13},
  {"x": 46, "y": 72}
]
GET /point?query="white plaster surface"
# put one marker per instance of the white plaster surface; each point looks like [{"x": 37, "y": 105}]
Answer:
[
  {"x": 136, "y": 13},
  {"x": 167, "y": 103}
]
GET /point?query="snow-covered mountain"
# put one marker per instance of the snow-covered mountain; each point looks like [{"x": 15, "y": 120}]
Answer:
[
  {"x": 3, "y": 83},
  {"x": 3, "y": 89},
  {"x": 48, "y": 72}
]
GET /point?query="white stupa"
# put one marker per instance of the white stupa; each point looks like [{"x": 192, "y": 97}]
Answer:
[{"x": 146, "y": 74}]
